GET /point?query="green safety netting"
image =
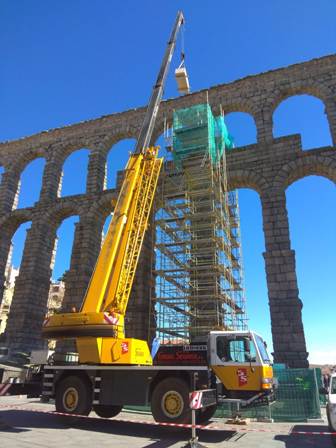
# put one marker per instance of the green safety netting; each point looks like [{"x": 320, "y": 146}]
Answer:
[
  {"x": 297, "y": 398},
  {"x": 196, "y": 130}
]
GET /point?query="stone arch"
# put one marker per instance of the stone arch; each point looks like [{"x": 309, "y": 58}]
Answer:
[
  {"x": 310, "y": 202},
  {"x": 17, "y": 225},
  {"x": 237, "y": 122},
  {"x": 315, "y": 90},
  {"x": 12, "y": 245},
  {"x": 308, "y": 164},
  {"x": 64, "y": 150},
  {"x": 82, "y": 154},
  {"x": 11, "y": 252},
  {"x": 9, "y": 226},
  {"x": 118, "y": 135},
  {"x": 28, "y": 192},
  {"x": 10, "y": 185},
  {"x": 243, "y": 107},
  {"x": 18, "y": 164},
  {"x": 10, "y": 223},
  {"x": 60, "y": 212},
  {"x": 59, "y": 238},
  {"x": 101, "y": 211},
  {"x": 259, "y": 110},
  {"x": 104, "y": 206},
  {"x": 57, "y": 153},
  {"x": 247, "y": 179},
  {"x": 298, "y": 104},
  {"x": 116, "y": 160}
]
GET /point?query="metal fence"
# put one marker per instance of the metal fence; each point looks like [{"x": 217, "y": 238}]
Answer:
[{"x": 297, "y": 398}]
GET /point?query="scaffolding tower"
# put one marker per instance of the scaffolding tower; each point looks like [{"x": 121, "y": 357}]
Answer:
[{"x": 198, "y": 263}]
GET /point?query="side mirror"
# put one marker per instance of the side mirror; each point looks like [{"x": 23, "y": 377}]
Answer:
[{"x": 323, "y": 391}]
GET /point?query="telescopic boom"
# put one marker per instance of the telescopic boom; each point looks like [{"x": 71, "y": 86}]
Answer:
[{"x": 153, "y": 106}]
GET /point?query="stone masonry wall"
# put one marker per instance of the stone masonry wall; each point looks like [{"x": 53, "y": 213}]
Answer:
[{"x": 268, "y": 167}]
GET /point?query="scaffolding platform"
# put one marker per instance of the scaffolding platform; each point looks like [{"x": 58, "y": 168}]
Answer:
[{"x": 198, "y": 267}]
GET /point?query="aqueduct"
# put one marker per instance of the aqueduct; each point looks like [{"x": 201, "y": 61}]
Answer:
[{"x": 268, "y": 167}]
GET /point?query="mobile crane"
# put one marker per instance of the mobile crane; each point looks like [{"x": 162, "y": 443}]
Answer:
[{"x": 112, "y": 370}]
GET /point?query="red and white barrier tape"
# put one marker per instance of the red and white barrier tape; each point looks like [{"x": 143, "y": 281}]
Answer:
[
  {"x": 42, "y": 411},
  {"x": 4, "y": 388},
  {"x": 209, "y": 427}
]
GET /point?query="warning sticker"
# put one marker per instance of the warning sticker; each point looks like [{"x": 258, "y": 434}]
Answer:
[{"x": 124, "y": 347}]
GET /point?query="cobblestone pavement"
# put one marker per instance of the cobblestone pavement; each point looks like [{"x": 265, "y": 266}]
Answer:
[{"x": 29, "y": 423}]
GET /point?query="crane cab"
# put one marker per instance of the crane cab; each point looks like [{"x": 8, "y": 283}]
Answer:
[{"x": 240, "y": 361}]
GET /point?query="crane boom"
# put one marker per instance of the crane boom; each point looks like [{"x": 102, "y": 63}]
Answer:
[
  {"x": 154, "y": 102},
  {"x": 112, "y": 279},
  {"x": 99, "y": 326}
]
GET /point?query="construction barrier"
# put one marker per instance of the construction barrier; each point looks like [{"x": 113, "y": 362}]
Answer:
[
  {"x": 209, "y": 427},
  {"x": 297, "y": 398}
]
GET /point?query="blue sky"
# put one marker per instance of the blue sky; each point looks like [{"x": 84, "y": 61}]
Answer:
[{"x": 67, "y": 61}]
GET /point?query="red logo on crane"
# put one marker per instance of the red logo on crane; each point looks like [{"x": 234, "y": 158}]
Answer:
[
  {"x": 242, "y": 377},
  {"x": 124, "y": 348}
]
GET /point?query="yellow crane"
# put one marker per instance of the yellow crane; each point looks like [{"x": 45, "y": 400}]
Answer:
[
  {"x": 113, "y": 370},
  {"x": 99, "y": 325}
]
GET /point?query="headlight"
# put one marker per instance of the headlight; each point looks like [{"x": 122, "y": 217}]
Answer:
[{"x": 266, "y": 383}]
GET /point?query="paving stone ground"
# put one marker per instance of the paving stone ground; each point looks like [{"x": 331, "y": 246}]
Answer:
[{"x": 29, "y": 423}]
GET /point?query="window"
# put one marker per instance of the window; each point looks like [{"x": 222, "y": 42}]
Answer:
[
  {"x": 236, "y": 349},
  {"x": 262, "y": 350}
]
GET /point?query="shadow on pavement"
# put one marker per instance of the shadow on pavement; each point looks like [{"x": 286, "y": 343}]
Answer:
[
  {"x": 20, "y": 420},
  {"x": 308, "y": 440}
]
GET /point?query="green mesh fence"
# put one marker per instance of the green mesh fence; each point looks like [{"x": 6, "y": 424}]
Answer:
[
  {"x": 196, "y": 130},
  {"x": 297, "y": 398}
]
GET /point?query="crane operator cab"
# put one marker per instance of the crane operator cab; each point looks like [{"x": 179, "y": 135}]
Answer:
[{"x": 240, "y": 361}]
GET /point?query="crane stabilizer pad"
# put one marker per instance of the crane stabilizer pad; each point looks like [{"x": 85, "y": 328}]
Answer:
[{"x": 74, "y": 331}]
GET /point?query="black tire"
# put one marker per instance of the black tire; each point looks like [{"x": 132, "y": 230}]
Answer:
[
  {"x": 170, "y": 401},
  {"x": 107, "y": 411},
  {"x": 205, "y": 414},
  {"x": 74, "y": 396}
]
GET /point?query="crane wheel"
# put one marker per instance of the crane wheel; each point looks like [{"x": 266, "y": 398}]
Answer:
[
  {"x": 74, "y": 396},
  {"x": 170, "y": 401},
  {"x": 107, "y": 411}
]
